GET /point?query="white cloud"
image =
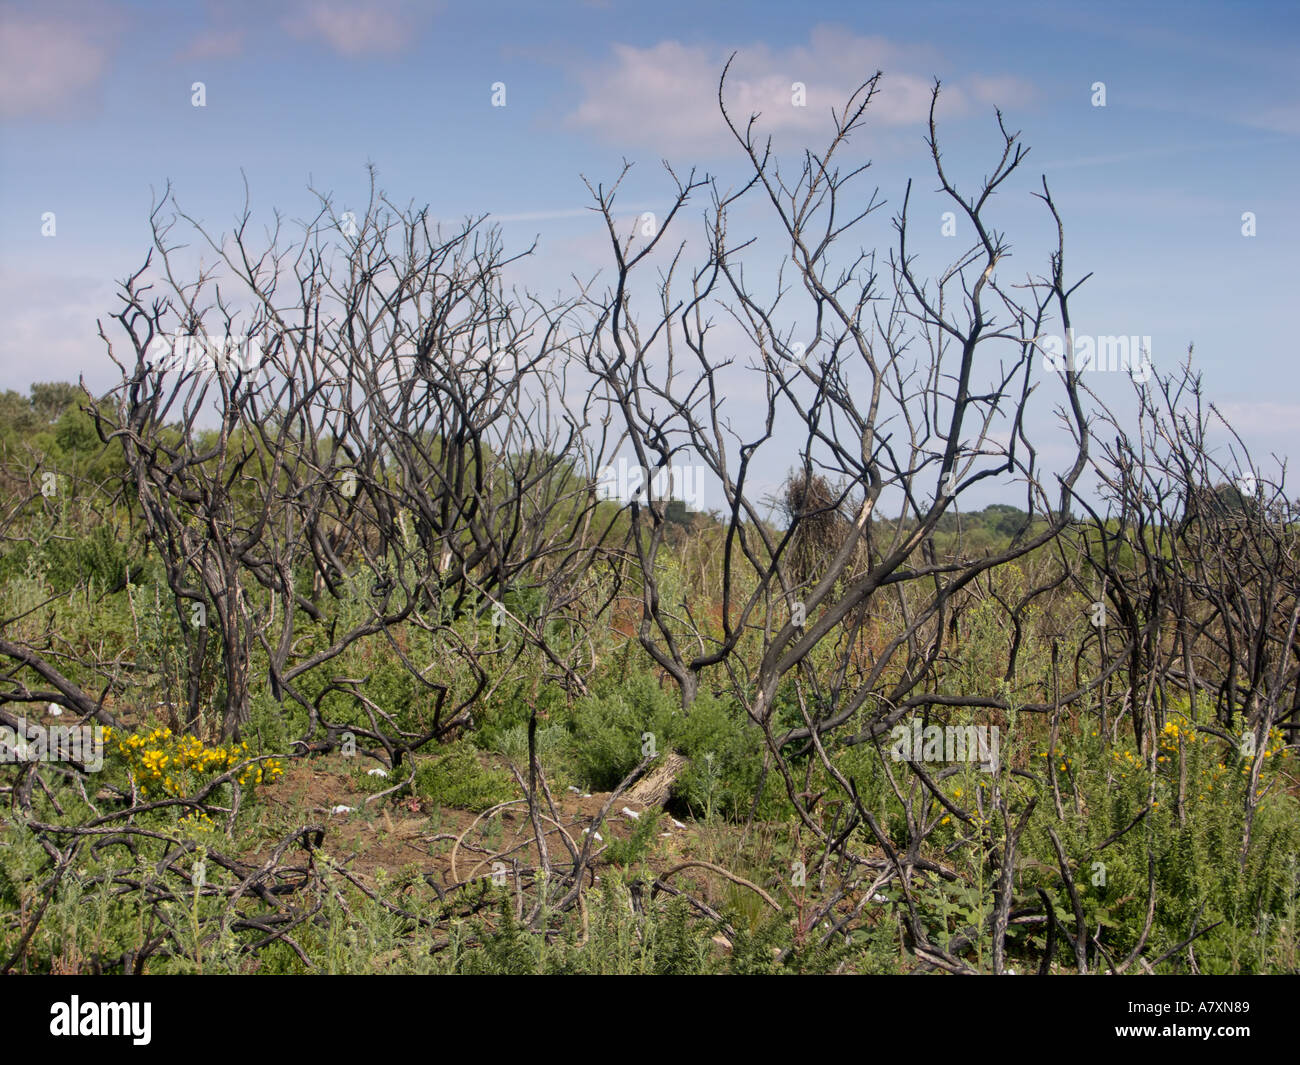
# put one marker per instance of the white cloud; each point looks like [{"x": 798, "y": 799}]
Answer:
[
  {"x": 214, "y": 44},
  {"x": 666, "y": 96},
  {"x": 357, "y": 27},
  {"x": 1003, "y": 91},
  {"x": 1159, "y": 152},
  {"x": 1283, "y": 118},
  {"x": 50, "y": 59},
  {"x": 51, "y": 334},
  {"x": 1262, "y": 418}
]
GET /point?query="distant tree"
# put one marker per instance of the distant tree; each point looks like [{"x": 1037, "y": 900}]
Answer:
[
  {"x": 52, "y": 399},
  {"x": 17, "y": 417}
]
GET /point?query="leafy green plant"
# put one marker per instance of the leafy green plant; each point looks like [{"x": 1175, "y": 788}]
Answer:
[
  {"x": 457, "y": 778},
  {"x": 635, "y": 847}
]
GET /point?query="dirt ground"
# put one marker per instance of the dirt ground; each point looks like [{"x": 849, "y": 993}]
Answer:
[{"x": 401, "y": 835}]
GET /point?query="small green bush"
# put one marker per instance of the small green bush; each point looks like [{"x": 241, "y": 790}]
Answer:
[
  {"x": 608, "y": 726},
  {"x": 457, "y": 778},
  {"x": 637, "y": 845},
  {"x": 724, "y": 748}
]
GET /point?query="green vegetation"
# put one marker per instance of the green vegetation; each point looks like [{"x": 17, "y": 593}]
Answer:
[{"x": 1174, "y": 812}]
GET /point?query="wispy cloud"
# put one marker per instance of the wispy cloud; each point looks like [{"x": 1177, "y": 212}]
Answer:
[
  {"x": 1270, "y": 419},
  {"x": 544, "y": 216},
  {"x": 665, "y": 96},
  {"x": 358, "y": 27},
  {"x": 51, "y": 330},
  {"x": 53, "y": 57},
  {"x": 1283, "y": 118},
  {"x": 214, "y": 44},
  {"x": 1159, "y": 152}
]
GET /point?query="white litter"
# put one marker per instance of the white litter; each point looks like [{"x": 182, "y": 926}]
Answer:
[
  {"x": 341, "y": 810},
  {"x": 677, "y": 824},
  {"x": 575, "y": 791},
  {"x": 631, "y": 813},
  {"x": 376, "y": 772},
  {"x": 597, "y": 837},
  {"x": 56, "y": 709}
]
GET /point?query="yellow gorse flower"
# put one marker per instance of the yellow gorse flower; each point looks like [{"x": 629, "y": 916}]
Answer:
[{"x": 164, "y": 765}]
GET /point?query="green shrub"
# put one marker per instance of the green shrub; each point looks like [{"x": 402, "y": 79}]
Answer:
[
  {"x": 726, "y": 761},
  {"x": 637, "y": 845},
  {"x": 608, "y": 727},
  {"x": 724, "y": 748},
  {"x": 555, "y": 749},
  {"x": 509, "y": 709},
  {"x": 457, "y": 778}
]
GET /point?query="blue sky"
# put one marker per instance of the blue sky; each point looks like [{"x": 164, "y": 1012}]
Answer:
[{"x": 1201, "y": 124}]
